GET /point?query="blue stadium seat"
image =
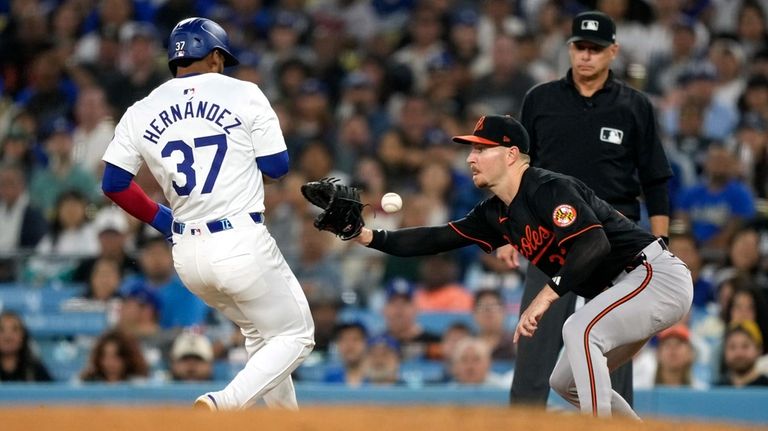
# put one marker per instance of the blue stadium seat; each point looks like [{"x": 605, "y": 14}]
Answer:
[
  {"x": 437, "y": 323},
  {"x": 57, "y": 325},
  {"x": 26, "y": 299}
]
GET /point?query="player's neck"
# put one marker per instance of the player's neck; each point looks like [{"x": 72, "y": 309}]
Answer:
[{"x": 507, "y": 189}]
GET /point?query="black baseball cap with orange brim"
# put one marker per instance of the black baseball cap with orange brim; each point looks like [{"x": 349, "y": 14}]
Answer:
[{"x": 497, "y": 130}]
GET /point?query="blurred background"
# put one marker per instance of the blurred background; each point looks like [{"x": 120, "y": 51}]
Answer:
[{"x": 370, "y": 92}]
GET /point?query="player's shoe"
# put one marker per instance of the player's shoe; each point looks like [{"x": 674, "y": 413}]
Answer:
[{"x": 206, "y": 402}]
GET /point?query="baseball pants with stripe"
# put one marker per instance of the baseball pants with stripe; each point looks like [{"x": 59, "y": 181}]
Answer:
[{"x": 611, "y": 328}]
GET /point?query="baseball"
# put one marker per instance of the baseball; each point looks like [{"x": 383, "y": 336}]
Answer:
[{"x": 391, "y": 202}]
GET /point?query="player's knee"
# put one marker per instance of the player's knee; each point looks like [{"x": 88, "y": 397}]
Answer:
[{"x": 573, "y": 331}]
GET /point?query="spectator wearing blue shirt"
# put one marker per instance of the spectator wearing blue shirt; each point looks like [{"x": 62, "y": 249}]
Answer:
[
  {"x": 178, "y": 306},
  {"x": 351, "y": 345},
  {"x": 717, "y": 206}
]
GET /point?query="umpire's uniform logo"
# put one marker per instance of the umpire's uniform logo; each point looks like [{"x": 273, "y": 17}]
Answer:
[{"x": 613, "y": 136}]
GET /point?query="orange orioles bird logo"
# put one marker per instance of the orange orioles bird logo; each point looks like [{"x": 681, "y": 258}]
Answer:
[{"x": 564, "y": 215}]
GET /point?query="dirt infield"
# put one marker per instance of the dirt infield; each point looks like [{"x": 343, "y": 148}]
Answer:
[{"x": 336, "y": 418}]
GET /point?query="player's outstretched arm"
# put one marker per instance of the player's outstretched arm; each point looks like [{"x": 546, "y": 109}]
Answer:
[
  {"x": 118, "y": 185},
  {"x": 414, "y": 241}
]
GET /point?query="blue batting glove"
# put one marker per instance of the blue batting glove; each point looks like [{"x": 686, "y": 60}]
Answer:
[{"x": 163, "y": 221}]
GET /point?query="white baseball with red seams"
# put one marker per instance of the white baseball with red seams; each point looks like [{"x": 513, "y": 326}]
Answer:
[{"x": 391, "y": 202}]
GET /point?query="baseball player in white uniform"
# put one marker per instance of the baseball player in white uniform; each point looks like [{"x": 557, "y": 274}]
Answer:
[{"x": 208, "y": 139}]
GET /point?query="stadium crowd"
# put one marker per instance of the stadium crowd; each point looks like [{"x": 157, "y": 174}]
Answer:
[{"x": 369, "y": 92}]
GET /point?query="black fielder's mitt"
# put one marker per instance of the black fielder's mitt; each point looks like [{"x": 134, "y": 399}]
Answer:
[{"x": 342, "y": 210}]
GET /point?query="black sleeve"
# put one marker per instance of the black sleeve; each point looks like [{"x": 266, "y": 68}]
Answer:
[
  {"x": 652, "y": 163},
  {"x": 418, "y": 241},
  {"x": 586, "y": 253},
  {"x": 570, "y": 215},
  {"x": 526, "y": 119},
  {"x": 657, "y": 197}
]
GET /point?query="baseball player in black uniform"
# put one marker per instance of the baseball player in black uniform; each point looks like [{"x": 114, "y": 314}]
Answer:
[
  {"x": 599, "y": 130},
  {"x": 581, "y": 243}
]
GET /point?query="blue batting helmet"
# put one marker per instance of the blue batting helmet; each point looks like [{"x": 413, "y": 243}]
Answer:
[{"x": 194, "y": 38}]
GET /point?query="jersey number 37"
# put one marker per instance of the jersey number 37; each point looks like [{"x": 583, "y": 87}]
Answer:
[{"x": 186, "y": 166}]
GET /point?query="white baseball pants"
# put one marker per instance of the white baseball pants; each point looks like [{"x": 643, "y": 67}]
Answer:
[{"x": 241, "y": 272}]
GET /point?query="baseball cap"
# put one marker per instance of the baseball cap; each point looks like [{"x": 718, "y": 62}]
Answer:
[
  {"x": 677, "y": 331},
  {"x": 386, "y": 340},
  {"x": 142, "y": 295},
  {"x": 593, "y": 26},
  {"x": 400, "y": 287},
  {"x": 497, "y": 130},
  {"x": 704, "y": 71},
  {"x": 752, "y": 120},
  {"x": 189, "y": 344},
  {"x": 748, "y": 327},
  {"x": 111, "y": 219}
]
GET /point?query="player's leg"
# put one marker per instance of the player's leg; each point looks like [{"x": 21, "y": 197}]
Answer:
[
  {"x": 536, "y": 356},
  {"x": 621, "y": 381},
  {"x": 650, "y": 298},
  {"x": 256, "y": 290},
  {"x": 283, "y": 395}
]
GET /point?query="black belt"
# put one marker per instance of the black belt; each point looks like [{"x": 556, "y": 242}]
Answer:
[
  {"x": 642, "y": 258},
  {"x": 217, "y": 225}
]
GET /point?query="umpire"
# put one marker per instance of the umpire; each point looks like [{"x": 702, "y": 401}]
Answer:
[{"x": 596, "y": 128}]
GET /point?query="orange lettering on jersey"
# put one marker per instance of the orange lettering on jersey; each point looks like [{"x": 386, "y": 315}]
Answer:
[{"x": 532, "y": 241}]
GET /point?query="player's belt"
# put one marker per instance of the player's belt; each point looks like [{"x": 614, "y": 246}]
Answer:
[
  {"x": 648, "y": 253},
  {"x": 217, "y": 225}
]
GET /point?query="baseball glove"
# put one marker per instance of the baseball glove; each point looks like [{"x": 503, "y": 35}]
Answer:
[{"x": 342, "y": 210}]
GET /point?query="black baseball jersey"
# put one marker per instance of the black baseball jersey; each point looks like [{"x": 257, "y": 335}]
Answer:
[
  {"x": 550, "y": 210},
  {"x": 608, "y": 140}
]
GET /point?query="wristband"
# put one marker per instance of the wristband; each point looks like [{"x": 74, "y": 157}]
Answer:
[{"x": 163, "y": 220}]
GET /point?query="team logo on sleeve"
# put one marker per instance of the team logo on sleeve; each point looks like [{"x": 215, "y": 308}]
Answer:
[{"x": 564, "y": 215}]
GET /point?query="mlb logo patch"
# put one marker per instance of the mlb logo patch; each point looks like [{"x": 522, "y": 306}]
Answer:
[
  {"x": 189, "y": 91},
  {"x": 590, "y": 24},
  {"x": 611, "y": 135}
]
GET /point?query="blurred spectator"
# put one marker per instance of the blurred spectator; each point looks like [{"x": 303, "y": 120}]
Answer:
[
  {"x": 742, "y": 346},
  {"x": 424, "y": 31},
  {"x": 94, "y": 129},
  {"x": 111, "y": 226},
  {"x": 452, "y": 334},
  {"x": 191, "y": 358},
  {"x": 178, "y": 306},
  {"x": 728, "y": 58},
  {"x": 400, "y": 318},
  {"x": 139, "y": 67},
  {"x": 439, "y": 286},
  {"x": 716, "y": 207},
  {"x": 104, "y": 280},
  {"x": 687, "y": 149},
  {"x": 464, "y": 44},
  {"x": 683, "y": 245},
  {"x": 16, "y": 149},
  {"x": 471, "y": 365},
  {"x": 503, "y": 88},
  {"x": 747, "y": 303},
  {"x": 675, "y": 357},
  {"x": 753, "y": 103},
  {"x": 497, "y": 17},
  {"x": 49, "y": 94},
  {"x": 751, "y": 27},
  {"x": 490, "y": 317},
  {"x": 72, "y": 233},
  {"x": 18, "y": 363},
  {"x": 110, "y": 16},
  {"x": 139, "y": 316},
  {"x": 115, "y": 357},
  {"x": 316, "y": 162},
  {"x": 351, "y": 342},
  {"x": 62, "y": 172},
  {"x": 23, "y": 224},
  {"x": 744, "y": 257},
  {"x": 318, "y": 266},
  {"x": 324, "y": 303},
  {"x": 313, "y": 115},
  {"x": 751, "y": 147},
  {"x": 666, "y": 66},
  {"x": 698, "y": 83},
  {"x": 382, "y": 362}
]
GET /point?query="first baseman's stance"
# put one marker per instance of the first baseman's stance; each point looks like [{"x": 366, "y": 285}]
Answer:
[
  {"x": 582, "y": 244},
  {"x": 207, "y": 139}
]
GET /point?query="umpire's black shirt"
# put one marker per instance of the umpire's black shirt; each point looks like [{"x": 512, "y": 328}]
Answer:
[{"x": 609, "y": 140}]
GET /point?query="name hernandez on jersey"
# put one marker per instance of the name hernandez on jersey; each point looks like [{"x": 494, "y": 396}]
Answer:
[{"x": 198, "y": 109}]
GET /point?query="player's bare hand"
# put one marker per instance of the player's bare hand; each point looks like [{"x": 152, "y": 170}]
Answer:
[
  {"x": 365, "y": 237},
  {"x": 509, "y": 256},
  {"x": 529, "y": 320}
]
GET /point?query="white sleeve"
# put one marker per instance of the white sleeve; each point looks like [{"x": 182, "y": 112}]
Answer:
[
  {"x": 122, "y": 151},
  {"x": 266, "y": 135}
]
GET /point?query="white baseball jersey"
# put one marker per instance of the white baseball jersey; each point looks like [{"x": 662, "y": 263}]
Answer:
[{"x": 199, "y": 136}]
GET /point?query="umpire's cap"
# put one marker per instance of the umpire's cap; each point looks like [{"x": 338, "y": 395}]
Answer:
[
  {"x": 497, "y": 130},
  {"x": 194, "y": 38},
  {"x": 593, "y": 26}
]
